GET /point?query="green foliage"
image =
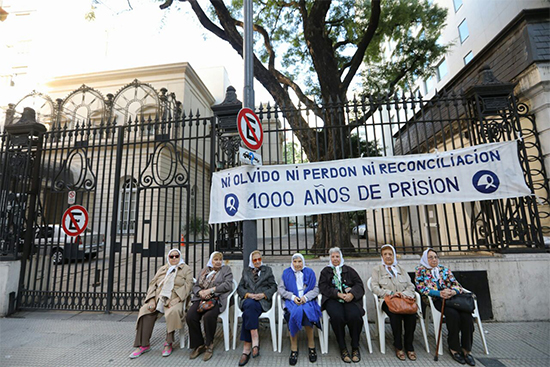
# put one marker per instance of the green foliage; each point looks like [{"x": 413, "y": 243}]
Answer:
[
  {"x": 197, "y": 226},
  {"x": 293, "y": 153},
  {"x": 362, "y": 148},
  {"x": 412, "y": 27}
]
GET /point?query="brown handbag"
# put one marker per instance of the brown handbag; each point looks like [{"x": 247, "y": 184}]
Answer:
[{"x": 399, "y": 304}]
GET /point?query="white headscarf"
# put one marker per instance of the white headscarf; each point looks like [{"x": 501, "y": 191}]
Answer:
[
  {"x": 339, "y": 267},
  {"x": 298, "y": 274},
  {"x": 167, "y": 282},
  {"x": 250, "y": 262},
  {"x": 172, "y": 267},
  {"x": 209, "y": 264},
  {"x": 393, "y": 266},
  {"x": 424, "y": 262}
]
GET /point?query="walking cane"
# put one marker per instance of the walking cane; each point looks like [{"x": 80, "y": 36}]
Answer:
[{"x": 439, "y": 331}]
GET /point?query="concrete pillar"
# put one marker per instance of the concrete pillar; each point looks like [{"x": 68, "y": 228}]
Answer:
[{"x": 9, "y": 282}]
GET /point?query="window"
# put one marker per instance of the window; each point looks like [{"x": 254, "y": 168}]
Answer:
[
  {"x": 429, "y": 84},
  {"x": 442, "y": 70},
  {"x": 468, "y": 57},
  {"x": 127, "y": 214},
  {"x": 457, "y": 4},
  {"x": 463, "y": 31}
]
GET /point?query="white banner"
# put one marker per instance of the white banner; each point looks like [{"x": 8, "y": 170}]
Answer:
[{"x": 482, "y": 172}]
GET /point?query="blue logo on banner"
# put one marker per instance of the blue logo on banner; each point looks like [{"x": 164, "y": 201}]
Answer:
[
  {"x": 486, "y": 182},
  {"x": 231, "y": 204}
]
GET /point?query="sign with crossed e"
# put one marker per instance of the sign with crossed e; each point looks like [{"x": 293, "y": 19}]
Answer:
[
  {"x": 74, "y": 220},
  {"x": 250, "y": 129},
  {"x": 482, "y": 172}
]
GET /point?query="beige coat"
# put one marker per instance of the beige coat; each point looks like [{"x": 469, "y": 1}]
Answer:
[
  {"x": 383, "y": 284},
  {"x": 182, "y": 287}
]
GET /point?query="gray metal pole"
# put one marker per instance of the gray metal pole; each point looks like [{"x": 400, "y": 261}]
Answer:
[{"x": 250, "y": 235}]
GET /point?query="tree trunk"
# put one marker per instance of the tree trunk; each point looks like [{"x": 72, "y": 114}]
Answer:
[{"x": 333, "y": 231}]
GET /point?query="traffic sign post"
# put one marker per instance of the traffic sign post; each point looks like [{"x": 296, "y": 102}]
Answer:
[
  {"x": 250, "y": 129},
  {"x": 74, "y": 220}
]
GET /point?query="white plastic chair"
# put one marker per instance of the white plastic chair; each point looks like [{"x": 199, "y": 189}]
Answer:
[
  {"x": 326, "y": 326},
  {"x": 181, "y": 331},
  {"x": 436, "y": 317},
  {"x": 224, "y": 316},
  {"x": 269, "y": 314},
  {"x": 281, "y": 318},
  {"x": 381, "y": 319}
]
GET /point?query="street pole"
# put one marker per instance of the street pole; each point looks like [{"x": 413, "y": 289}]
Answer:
[{"x": 250, "y": 237}]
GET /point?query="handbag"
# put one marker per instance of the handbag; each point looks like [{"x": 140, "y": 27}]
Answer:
[
  {"x": 401, "y": 305},
  {"x": 207, "y": 305},
  {"x": 463, "y": 302}
]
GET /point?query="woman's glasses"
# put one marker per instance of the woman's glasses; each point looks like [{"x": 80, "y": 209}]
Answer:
[
  {"x": 257, "y": 260},
  {"x": 174, "y": 256}
]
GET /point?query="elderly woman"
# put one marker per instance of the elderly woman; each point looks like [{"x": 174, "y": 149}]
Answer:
[
  {"x": 298, "y": 288},
  {"x": 342, "y": 290},
  {"x": 437, "y": 281},
  {"x": 166, "y": 293},
  {"x": 255, "y": 291},
  {"x": 208, "y": 300},
  {"x": 389, "y": 278}
]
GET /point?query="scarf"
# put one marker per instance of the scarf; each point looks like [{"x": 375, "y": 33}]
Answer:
[
  {"x": 209, "y": 273},
  {"x": 337, "y": 272},
  {"x": 391, "y": 269},
  {"x": 424, "y": 262},
  {"x": 299, "y": 274},
  {"x": 167, "y": 283},
  {"x": 310, "y": 308},
  {"x": 255, "y": 271}
]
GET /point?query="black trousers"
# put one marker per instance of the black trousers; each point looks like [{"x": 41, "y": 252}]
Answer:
[
  {"x": 457, "y": 323},
  {"x": 252, "y": 310},
  {"x": 342, "y": 314},
  {"x": 396, "y": 322},
  {"x": 210, "y": 321}
]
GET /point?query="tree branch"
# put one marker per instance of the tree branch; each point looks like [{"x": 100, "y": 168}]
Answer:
[
  {"x": 267, "y": 41},
  {"x": 357, "y": 58},
  {"x": 205, "y": 21}
]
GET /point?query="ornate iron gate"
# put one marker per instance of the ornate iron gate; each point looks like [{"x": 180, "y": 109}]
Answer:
[{"x": 136, "y": 182}]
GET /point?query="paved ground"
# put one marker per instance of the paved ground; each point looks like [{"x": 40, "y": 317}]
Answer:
[{"x": 62, "y": 338}]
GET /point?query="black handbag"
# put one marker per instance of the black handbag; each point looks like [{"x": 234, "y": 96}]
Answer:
[{"x": 463, "y": 302}]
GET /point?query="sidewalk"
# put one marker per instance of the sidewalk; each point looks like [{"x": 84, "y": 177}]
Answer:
[{"x": 65, "y": 338}]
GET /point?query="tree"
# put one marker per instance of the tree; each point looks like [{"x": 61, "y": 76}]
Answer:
[{"x": 317, "y": 48}]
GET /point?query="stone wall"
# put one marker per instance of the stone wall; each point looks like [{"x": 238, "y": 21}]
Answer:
[{"x": 515, "y": 280}]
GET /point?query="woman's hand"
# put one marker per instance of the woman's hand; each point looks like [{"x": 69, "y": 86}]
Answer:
[
  {"x": 304, "y": 300},
  {"x": 204, "y": 294},
  {"x": 151, "y": 305},
  {"x": 297, "y": 300},
  {"x": 348, "y": 297},
  {"x": 447, "y": 293},
  {"x": 341, "y": 296}
]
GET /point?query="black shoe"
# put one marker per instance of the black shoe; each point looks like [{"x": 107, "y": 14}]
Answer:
[
  {"x": 355, "y": 355},
  {"x": 244, "y": 359},
  {"x": 293, "y": 358},
  {"x": 470, "y": 361},
  {"x": 312, "y": 355},
  {"x": 458, "y": 357},
  {"x": 344, "y": 354},
  {"x": 255, "y": 351}
]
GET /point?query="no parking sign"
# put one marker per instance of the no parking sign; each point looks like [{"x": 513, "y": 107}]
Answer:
[
  {"x": 75, "y": 220},
  {"x": 250, "y": 129}
]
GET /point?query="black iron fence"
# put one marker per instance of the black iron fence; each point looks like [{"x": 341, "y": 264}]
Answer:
[
  {"x": 146, "y": 184},
  {"x": 407, "y": 124}
]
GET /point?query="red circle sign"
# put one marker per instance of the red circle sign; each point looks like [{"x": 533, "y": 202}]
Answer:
[
  {"x": 250, "y": 129},
  {"x": 75, "y": 220}
]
